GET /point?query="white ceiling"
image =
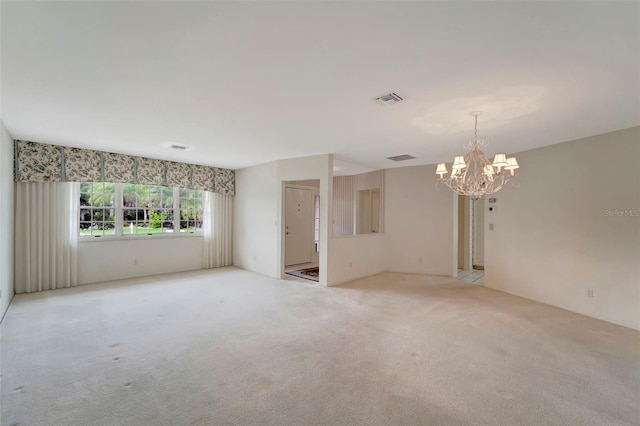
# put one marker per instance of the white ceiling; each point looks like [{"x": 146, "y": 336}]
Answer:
[{"x": 246, "y": 83}]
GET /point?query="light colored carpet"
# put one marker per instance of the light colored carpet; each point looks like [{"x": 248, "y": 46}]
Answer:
[{"x": 232, "y": 347}]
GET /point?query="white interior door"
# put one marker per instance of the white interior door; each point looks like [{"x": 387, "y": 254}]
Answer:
[{"x": 298, "y": 221}]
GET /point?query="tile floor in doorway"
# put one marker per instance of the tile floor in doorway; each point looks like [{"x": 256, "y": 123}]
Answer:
[
  {"x": 296, "y": 268},
  {"x": 473, "y": 276},
  {"x": 299, "y": 266}
]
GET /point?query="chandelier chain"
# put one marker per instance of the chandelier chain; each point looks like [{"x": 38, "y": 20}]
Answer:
[{"x": 476, "y": 133}]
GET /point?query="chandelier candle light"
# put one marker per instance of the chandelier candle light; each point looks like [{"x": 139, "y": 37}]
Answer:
[{"x": 474, "y": 175}]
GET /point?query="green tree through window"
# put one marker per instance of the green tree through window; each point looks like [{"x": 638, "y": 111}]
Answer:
[
  {"x": 128, "y": 209},
  {"x": 97, "y": 208}
]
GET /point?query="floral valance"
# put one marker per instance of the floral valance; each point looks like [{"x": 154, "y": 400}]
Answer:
[{"x": 36, "y": 162}]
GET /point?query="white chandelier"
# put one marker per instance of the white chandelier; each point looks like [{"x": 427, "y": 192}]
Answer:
[{"x": 474, "y": 175}]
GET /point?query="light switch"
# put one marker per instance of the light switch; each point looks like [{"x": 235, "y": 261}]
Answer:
[{"x": 491, "y": 227}]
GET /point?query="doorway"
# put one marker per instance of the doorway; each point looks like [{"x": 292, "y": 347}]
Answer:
[
  {"x": 301, "y": 223},
  {"x": 470, "y": 242},
  {"x": 477, "y": 235},
  {"x": 298, "y": 222}
]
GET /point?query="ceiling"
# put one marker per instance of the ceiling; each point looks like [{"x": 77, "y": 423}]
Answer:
[{"x": 244, "y": 83}]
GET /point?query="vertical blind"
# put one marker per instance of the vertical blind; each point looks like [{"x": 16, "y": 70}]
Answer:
[
  {"x": 217, "y": 250},
  {"x": 46, "y": 235}
]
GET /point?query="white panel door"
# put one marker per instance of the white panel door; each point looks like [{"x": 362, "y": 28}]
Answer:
[{"x": 298, "y": 221}]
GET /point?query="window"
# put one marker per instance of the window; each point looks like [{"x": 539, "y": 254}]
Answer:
[
  {"x": 147, "y": 209},
  {"x": 115, "y": 209},
  {"x": 97, "y": 211},
  {"x": 190, "y": 210}
]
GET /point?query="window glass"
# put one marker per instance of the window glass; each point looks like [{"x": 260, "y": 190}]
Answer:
[
  {"x": 145, "y": 209},
  {"x": 190, "y": 210},
  {"x": 97, "y": 211}
]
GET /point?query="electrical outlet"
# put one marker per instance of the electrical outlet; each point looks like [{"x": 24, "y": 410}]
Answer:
[
  {"x": 350, "y": 264},
  {"x": 589, "y": 292},
  {"x": 420, "y": 259}
]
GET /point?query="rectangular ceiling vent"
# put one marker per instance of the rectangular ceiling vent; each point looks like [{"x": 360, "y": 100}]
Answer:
[
  {"x": 390, "y": 99},
  {"x": 403, "y": 157},
  {"x": 179, "y": 147}
]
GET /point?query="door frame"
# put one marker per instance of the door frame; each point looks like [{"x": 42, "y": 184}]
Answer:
[
  {"x": 315, "y": 256},
  {"x": 462, "y": 204},
  {"x": 468, "y": 238},
  {"x": 478, "y": 221}
]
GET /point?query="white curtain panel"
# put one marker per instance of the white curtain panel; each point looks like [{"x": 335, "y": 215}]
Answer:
[
  {"x": 218, "y": 214},
  {"x": 46, "y": 235}
]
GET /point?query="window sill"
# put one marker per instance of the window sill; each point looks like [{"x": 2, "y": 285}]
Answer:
[{"x": 94, "y": 239}]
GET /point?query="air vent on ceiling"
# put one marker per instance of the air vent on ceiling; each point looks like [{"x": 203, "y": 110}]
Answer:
[
  {"x": 390, "y": 99},
  {"x": 403, "y": 157},
  {"x": 178, "y": 147}
]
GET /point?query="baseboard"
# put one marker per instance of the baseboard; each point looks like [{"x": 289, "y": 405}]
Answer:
[{"x": 564, "y": 308}]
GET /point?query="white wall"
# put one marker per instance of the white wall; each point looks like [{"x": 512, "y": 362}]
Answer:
[
  {"x": 255, "y": 219},
  {"x": 556, "y": 236},
  {"x": 6, "y": 218},
  {"x": 118, "y": 259},
  {"x": 419, "y": 222},
  {"x": 356, "y": 256}
]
